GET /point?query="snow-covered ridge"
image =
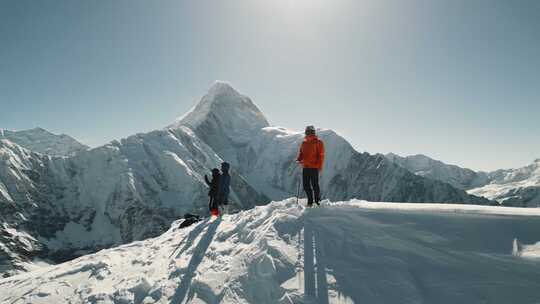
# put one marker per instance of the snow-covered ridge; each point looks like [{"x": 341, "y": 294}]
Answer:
[
  {"x": 513, "y": 187},
  {"x": 461, "y": 178},
  {"x": 346, "y": 252},
  {"x": 42, "y": 141}
]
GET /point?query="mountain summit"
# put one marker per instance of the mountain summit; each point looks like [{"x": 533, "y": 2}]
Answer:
[{"x": 225, "y": 115}]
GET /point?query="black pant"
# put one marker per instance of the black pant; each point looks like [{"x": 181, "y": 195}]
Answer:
[
  {"x": 213, "y": 203},
  {"x": 310, "y": 177}
]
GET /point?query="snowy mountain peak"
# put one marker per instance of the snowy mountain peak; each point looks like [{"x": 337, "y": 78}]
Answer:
[
  {"x": 224, "y": 116},
  {"x": 44, "y": 142},
  {"x": 224, "y": 103},
  {"x": 222, "y": 88}
]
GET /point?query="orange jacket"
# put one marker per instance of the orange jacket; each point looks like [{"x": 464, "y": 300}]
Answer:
[{"x": 311, "y": 153}]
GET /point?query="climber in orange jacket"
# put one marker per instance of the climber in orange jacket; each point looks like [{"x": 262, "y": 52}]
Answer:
[{"x": 311, "y": 156}]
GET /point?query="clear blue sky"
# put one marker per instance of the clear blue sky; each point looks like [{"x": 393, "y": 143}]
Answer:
[{"x": 456, "y": 80}]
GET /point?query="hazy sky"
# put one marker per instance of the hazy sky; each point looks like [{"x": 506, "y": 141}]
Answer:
[{"x": 455, "y": 80}]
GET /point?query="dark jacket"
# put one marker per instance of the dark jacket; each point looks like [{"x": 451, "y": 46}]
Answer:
[
  {"x": 224, "y": 184},
  {"x": 214, "y": 183}
]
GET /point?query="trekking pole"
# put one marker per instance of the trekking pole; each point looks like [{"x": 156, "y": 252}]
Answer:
[
  {"x": 298, "y": 192},
  {"x": 298, "y": 189}
]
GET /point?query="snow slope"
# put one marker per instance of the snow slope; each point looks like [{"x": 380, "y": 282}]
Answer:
[
  {"x": 347, "y": 252},
  {"x": 45, "y": 142}
]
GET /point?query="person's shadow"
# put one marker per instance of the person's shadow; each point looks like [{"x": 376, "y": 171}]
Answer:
[
  {"x": 196, "y": 259},
  {"x": 315, "y": 283}
]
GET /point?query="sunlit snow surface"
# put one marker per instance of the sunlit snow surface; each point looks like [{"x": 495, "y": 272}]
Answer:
[{"x": 348, "y": 252}]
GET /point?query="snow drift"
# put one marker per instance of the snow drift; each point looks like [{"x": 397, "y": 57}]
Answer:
[{"x": 282, "y": 253}]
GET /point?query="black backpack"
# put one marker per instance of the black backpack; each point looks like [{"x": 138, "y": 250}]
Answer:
[{"x": 189, "y": 219}]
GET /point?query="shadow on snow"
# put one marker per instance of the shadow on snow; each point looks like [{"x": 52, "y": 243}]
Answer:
[{"x": 196, "y": 258}]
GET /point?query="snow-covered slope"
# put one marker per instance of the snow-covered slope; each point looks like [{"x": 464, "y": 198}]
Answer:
[
  {"x": 514, "y": 187},
  {"x": 20, "y": 172},
  {"x": 349, "y": 252},
  {"x": 239, "y": 132},
  {"x": 45, "y": 142},
  {"x": 126, "y": 190},
  {"x": 458, "y": 177}
]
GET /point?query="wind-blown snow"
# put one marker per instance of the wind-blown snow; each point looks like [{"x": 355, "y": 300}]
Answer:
[{"x": 347, "y": 252}]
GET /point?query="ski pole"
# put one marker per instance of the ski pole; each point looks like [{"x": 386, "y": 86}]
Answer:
[{"x": 298, "y": 190}]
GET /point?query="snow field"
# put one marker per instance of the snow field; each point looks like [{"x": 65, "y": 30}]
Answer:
[{"x": 346, "y": 252}]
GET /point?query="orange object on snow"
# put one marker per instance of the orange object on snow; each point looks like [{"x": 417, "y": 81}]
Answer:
[
  {"x": 311, "y": 153},
  {"x": 214, "y": 212}
]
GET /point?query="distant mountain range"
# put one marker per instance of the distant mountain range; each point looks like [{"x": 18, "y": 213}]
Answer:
[{"x": 511, "y": 187}]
